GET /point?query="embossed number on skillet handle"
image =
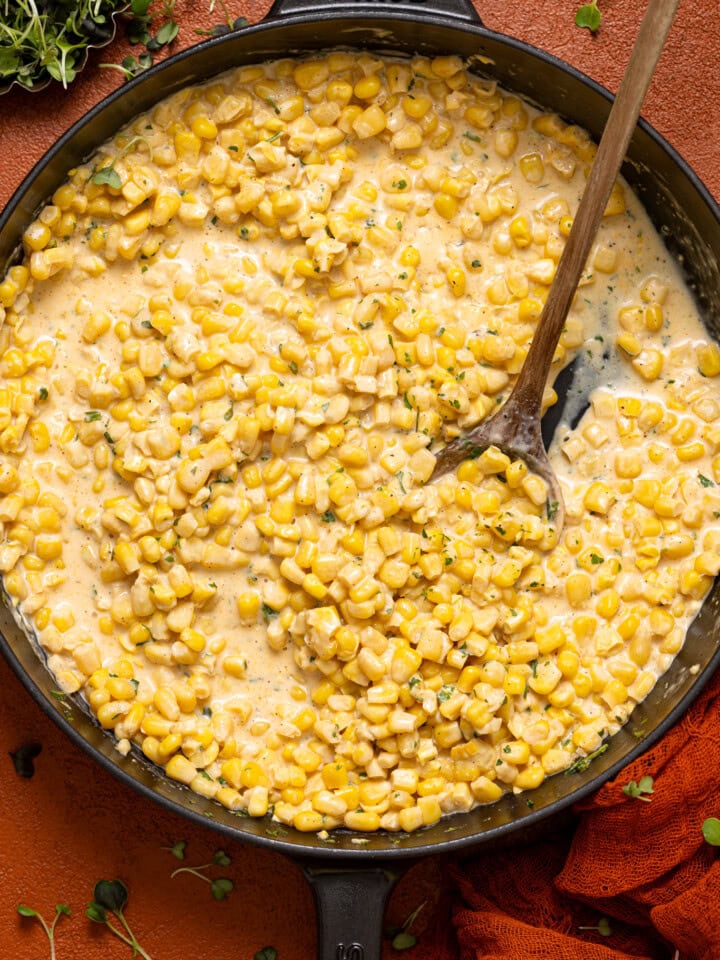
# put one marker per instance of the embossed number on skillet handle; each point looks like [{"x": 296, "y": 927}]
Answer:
[
  {"x": 453, "y": 9},
  {"x": 350, "y": 951}
]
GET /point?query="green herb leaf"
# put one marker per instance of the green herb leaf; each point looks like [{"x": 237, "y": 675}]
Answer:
[
  {"x": 10, "y": 63},
  {"x": 268, "y": 612},
  {"x": 137, "y": 31},
  {"x": 96, "y": 912},
  {"x": 62, "y": 908},
  {"x": 178, "y": 849},
  {"x": 705, "y": 481},
  {"x": 140, "y": 7},
  {"x": 221, "y": 887},
  {"x": 92, "y": 415},
  {"x": 23, "y": 757},
  {"x": 111, "y": 894},
  {"x": 403, "y": 940},
  {"x": 167, "y": 33},
  {"x": 221, "y": 858},
  {"x": 638, "y": 790},
  {"x": 589, "y": 16},
  {"x": 711, "y": 831},
  {"x": 26, "y": 911},
  {"x": 109, "y": 176},
  {"x": 267, "y": 953},
  {"x": 551, "y": 508},
  {"x": 328, "y": 517}
]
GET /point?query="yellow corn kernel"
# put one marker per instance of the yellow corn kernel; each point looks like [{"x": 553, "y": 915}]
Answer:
[
  {"x": 653, "y": 317},
  {"x": 179, "y": 768},
  {"x": 690, "y": 451},
  {"x": 649, "y": 364},
  {"x": 369, "y": 122},
  {"x": 629, "y": 343},
  {"x": 364, "y": 821},
  {"x": 521, "y": 231},
  {"x": 608, "y": 604},
  {"x": 598, "y": 498},
  {"x": 616, "y": 204},
  {"x": 37, "y": 236},
  {"x": 628, "y": 464},
  {"x": 529, "y": 778},
  {"x": 532, "y": 167},
  {"x": 446, "y": 205},
  {"x": 578, "y": 589},
  {"x": 39, "y": 436},
  {"x": 235, "y": 667},
  {"x": 708, "y": 359},
  {"x": 456, "y": 279},
  {"x": 485, "y": 790},
  {"x": 311, "y": 74},
  {"x": 568, "y": 663}
]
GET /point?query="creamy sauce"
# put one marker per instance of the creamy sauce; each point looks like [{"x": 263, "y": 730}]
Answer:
[{"x": 309, "y": 284}]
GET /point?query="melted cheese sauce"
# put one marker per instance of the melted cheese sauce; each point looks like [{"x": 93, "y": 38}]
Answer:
[{"x": 314, "y": 316}]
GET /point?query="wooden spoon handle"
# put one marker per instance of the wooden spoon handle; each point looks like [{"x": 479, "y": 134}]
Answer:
[{"x": 527, "y": 396}]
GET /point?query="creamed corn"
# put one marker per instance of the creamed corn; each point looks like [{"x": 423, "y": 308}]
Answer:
[{"x": 225, "y": 366}]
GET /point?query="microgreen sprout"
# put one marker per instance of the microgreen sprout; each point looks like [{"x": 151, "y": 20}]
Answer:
[
  {"x": 111, "y": 896},
  {"x": 637, "y": 790},
  {"x": 602, "y": 927},
  {"x": 23, "y": 758},
  {"x": 220, "y": 887},
  {"x": 49, "y": 40},
  {"x": 220, "y": 29},
  {"x": 61, "y": 910},
  {"x": 177, "y": 849},
  {"x": 584, "y": 762},
  {"x": 711, "y": 831},
  {"x": 109, "y": 175},
  {"x": 267, "y": 953},
  {"x": 589, "y": 16},
  {"x": 401, "y": 937},
  {"x": 131, "y": 66}
]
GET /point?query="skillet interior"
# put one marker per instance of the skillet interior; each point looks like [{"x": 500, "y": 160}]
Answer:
[{"x": 682, "y": 210}]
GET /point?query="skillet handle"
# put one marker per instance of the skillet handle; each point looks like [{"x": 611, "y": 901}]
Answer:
[
  {"x": 350, "y": 908},
  {"x": 454, "y": 9}
]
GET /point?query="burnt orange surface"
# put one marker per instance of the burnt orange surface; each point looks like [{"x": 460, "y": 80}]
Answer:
[{"x": 72, "y": 823}]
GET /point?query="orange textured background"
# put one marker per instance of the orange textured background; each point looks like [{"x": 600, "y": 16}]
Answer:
[{"x": 73, "y": 823}]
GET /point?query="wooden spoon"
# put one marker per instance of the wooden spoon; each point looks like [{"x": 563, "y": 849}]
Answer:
[{"x": 515, "y": 428}]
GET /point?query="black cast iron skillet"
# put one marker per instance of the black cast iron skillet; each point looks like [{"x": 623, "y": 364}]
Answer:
[{"x": 351, "y": 876}]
